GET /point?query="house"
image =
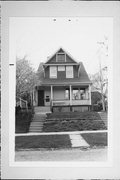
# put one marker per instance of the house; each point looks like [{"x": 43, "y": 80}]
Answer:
[{"x": 63, "y": 85}]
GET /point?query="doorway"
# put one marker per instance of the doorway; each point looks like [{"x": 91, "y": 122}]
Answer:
[{"x": 40, "y": 97}]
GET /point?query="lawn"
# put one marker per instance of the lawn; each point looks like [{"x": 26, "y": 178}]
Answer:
[
  {"x": 73, "y": 121},
  {"x": 42, "y": 141},
  {"x": 95, "y": 139},
  {"x": 74, "y": 115},
  {"x": 73, "y": 125}
]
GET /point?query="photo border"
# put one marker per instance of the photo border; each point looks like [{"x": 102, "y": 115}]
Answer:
[{"x": 45, "y": 9}]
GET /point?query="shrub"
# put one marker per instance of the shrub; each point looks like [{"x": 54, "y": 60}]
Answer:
[{"x": 22, "y": 121}]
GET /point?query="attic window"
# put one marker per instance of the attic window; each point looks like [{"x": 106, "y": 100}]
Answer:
[{"x": 60, "y": 57}]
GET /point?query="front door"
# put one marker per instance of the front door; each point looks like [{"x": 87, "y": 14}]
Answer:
[{"x": 40, "y": 97}]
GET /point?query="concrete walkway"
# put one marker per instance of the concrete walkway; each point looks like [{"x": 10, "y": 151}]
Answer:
[
  {"x": 78, "y": 141},
  {"x": 38, "y": 120}
]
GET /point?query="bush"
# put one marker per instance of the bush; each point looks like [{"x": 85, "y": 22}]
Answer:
[{"x": 23, "y": 119}]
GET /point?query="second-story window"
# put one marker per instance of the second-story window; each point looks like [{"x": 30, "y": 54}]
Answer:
[
  {"x": 69, "y": 71},
  {"x": 53, "y": 71}
]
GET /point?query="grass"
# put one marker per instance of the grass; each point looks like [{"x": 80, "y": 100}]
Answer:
[
  {"x": 43, "y": 141},
  {"x": 73, "y": 125},
  {"x": 23, "y": 119},
  {"x": 96, "y": 139},
  {"x": 74, "y": 115},
  {"x": 73, "y": 121}
]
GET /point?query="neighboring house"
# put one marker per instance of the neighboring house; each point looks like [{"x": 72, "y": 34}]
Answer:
[{"x": 63, "y": 84}]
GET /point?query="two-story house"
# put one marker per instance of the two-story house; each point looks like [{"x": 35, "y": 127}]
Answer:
[{"x": 64, "y": 84}]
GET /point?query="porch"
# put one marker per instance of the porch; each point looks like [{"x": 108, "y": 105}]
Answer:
[{"x": 63, "y": 96}]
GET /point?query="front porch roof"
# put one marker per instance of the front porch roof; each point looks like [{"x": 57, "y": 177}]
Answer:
[{"x": 63, "y": 82}]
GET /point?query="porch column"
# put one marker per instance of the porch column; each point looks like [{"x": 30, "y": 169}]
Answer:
[
  {"x": 90, "y": 93},
  {"x": 36, "y": 97},
  {"x": 51, "y": 96},
  {"x": 70, "y": 95},
  {"x": 51, "y": 92}
]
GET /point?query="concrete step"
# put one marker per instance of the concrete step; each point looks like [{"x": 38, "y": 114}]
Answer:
[
  {"x": 37, "y": 122},
  {"x": 35, "y": 128},
  {"x": 36, "y": 125},
  {"x": 35, "y": 131}
]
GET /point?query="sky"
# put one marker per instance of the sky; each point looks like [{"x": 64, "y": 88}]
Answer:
[{"x": 37, "y": 38}]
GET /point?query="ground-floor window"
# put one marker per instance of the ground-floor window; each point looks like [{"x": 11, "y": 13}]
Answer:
[
  {"x": 75, "y": 94},
  {"x": 67, "y": 94},
  {"x": 82, "y": 93}
]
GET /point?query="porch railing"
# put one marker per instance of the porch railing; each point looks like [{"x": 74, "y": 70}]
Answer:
[{"x": 67, "y": 102}]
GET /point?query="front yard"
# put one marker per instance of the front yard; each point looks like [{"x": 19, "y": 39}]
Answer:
[
  {"x": 42, "y": 141},
  {"x": 95, "y": 139},
  {"x": 58, "y": 141},
  {"x": 73, "y": 121},
  {"x": 73, "y": 115}
]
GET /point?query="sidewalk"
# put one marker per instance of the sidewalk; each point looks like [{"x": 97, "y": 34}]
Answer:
[{"x": 99, "y": 154}]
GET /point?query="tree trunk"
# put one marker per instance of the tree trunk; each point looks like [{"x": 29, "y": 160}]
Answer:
[{"x": 103, "y": 103}]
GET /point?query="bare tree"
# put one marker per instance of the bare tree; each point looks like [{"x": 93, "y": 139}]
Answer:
[
  {"x": 100, "y": 79},
  {"x": 25, "y": 77},
  {"x": 100, "y": 83}
]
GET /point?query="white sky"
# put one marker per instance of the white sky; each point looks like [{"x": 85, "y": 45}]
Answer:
[{"x": 39, "y": 38}]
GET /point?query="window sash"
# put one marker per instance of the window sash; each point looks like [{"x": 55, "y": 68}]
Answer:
[
  {"x": 61, "y": 57},
  {"x": 53, "y": 72},
  {"x": 67, "y": 94},
  {"x": 69, "y": 71},
  {"x": 75, "y": 94},
  {"x": 61, "y": 68}
]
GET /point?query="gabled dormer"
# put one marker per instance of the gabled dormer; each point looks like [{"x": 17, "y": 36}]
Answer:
[
  {"x": 61, "y": 66},
  {"x": 60, "y": 56}
]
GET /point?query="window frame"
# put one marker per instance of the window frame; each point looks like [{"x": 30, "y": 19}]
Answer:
[
  {"x": 67, "y": 98},
  {"x": 78, "y": 90},
  {"x": 58, "y": 55},
  {"x": 53, "y": 76},
  {"x": 72, "y": 76},
  {"x": 61, "y": 70}
]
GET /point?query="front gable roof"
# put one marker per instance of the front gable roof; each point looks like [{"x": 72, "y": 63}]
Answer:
[{"x": 69, "y": 58}]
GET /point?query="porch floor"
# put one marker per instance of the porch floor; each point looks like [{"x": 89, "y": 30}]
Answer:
[{"x": 42, "y": 109}]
